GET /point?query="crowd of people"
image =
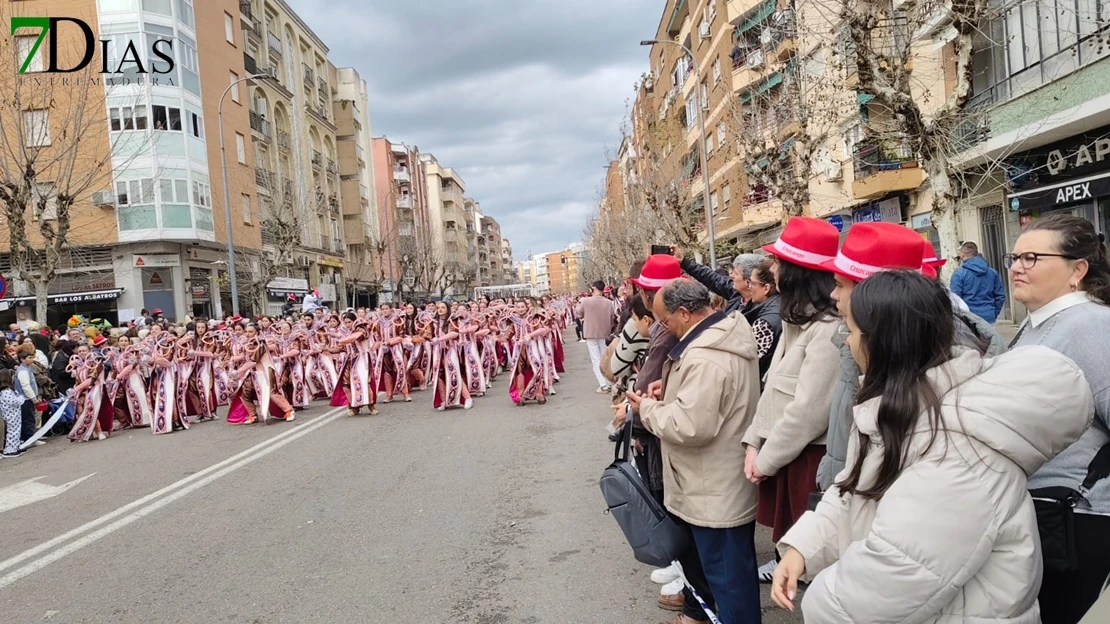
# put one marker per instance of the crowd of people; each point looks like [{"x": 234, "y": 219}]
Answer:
[
  {"x": 910, "y": 465},
  {"x": 87, "y": 379}
]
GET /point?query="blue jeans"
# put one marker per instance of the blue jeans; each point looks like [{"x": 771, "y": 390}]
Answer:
[{"x": 728, "y": 560}]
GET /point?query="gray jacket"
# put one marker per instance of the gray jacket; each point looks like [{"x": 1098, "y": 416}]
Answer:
[{"x": 971, "y": 331}]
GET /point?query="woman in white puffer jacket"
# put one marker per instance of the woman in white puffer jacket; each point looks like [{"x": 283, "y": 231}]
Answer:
[{"x": 931, "y": 520}]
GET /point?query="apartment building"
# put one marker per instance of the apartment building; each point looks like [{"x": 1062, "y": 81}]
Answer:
[
  {"x": 540, "y": 274},
  {"x": 526, "y": 272},
  {"x": 403, "y": 217},
  {"x": 447, "y": 218},
  {"x": 297, "y": 171},
  {"x": 358, "y": 189},
  {"x": 507, "y": 264},
  {"x": 491, "y": 271},
  {"x": 153, "y": 233}
]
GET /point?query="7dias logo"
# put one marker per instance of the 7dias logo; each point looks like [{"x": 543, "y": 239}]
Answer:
[{"x": 161, "y": 48}]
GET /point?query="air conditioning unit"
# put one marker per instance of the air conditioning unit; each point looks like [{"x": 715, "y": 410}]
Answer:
[
  {"x": 755, "y": 59},
  {"x": 104, "y": 198},
  {"x": 834, "y": 171},
  {"x": 271, "y": 72},
  {"x": 703, "y": 30}
]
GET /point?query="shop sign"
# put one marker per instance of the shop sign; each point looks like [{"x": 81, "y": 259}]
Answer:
[
  {"x": 331, "y": 262},
  {"x": 837, "y": 222},
  {"x": 1063, "y": 193},
  {"x": 200, "y": 290},
  {"x": 101, "y": 295},
  {"x": 921, "y": 221},
  {"x": 288, "y": 284},
  {"x": 156, "y": 260},
  {"x": 889, "y": 210}
]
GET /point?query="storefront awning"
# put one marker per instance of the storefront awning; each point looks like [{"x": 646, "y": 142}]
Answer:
[
  {"x": 76, "y": 297},
  {"x": 863, "y": 98},
  {"x": 772, "y": 81}
]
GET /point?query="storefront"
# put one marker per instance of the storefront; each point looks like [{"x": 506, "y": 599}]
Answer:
[
  {"x": 1072, "y": 175},
  {"x": 91, "y": 294}
]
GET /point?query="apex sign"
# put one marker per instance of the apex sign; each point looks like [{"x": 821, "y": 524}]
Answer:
[{"x": 127, "y": 59}]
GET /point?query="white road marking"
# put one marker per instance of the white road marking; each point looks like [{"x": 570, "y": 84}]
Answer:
[
  {"x": 31, "y": 491},
  {"x": 139, "y": 508}
]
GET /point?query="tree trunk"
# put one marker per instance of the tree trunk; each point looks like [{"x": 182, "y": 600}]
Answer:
[
  {"x": 41, "y": 297},
  {"x": 945, "y": 204}
]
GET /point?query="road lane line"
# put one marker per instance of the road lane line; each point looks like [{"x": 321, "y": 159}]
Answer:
[
  {"x": 325, "y": 418},
  {"x": 31, "y": 491}
]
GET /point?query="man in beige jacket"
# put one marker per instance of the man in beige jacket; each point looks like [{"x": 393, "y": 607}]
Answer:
[{"x": 709, "y": 391}]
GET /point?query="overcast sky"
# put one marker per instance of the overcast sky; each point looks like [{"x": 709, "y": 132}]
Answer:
[{"x": 523, "y": 99}]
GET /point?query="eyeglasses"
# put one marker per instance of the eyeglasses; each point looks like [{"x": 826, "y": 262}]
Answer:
[
  {"x": 1028, "y": 260},
  {"x": 754, "y": 283}
]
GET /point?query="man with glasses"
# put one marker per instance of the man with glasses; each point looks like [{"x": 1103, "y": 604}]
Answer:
[
  {"x": 733, "y": 288},
  {"x": 978, "y": 284}
]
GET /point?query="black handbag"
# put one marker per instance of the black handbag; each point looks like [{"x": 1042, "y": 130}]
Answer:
[
  {"x": 1055, "y": 507},
  {"x": 656, "y": 539}
]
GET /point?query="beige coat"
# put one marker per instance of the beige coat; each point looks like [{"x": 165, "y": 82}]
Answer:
[
  {"x": 711, "y": 384},
  {"x": 954, "y": 539},
  {"x": 794, "y": 409}
]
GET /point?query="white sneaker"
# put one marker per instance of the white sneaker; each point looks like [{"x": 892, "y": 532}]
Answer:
[
  {"x": 41, "y": 442},
  {"x": 102, "y": 436},
  {"x": 672, "y": 588},
  {"x": 665, "y": 575},
  {"x": 469, "y": 404},
  {"x": 767, "y": 571}
]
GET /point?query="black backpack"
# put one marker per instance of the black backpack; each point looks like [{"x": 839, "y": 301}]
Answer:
[{"x": 655, "y": 538}]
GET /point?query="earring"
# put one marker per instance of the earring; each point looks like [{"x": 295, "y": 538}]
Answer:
[{"x": 1074, "y": 287}]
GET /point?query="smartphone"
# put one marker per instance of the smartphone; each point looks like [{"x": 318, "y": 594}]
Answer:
[{"x": 665, "y": 250}]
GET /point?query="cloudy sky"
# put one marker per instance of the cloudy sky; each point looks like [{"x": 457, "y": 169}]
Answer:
[{"x": 523, "y": 99}]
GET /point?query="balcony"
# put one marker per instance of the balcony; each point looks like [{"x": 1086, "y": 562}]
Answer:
[
  {"x": 309, "y": 75},
  {"x": 404, "y": 201},
  {"x": 245, "y": 12},
  {"x": 283, "y": 140},
  {"x": 317, "y": 160},
  {"x": 260, "y": 125},
  {"x": 337, "y": 245},
  {"x": 884, "y": 166},
  {"x": 273, "y": 42},
  {"x": 333, "y": 201},
  {"x": 322, "y": 85},
  {"x": 264, "y": 178},
  {"x": 287, "y": 188},
  {"x": 333, "y": 167},
  {"x": 360, "y": 154},
  {"x": 401, "y": 174},
  {"x": 363, "y": 192},
  {"x": 250, "y": 64}
]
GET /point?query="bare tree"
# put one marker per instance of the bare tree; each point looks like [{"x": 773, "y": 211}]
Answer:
[
  {"x": 56, "y": 152},
  {"x": 284, "y": 217}
]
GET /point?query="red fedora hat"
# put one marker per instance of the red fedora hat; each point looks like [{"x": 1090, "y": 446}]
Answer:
[
  {"x": 658, "y": 270},
  {"x": 929, "y": 260},
  {"x": 807, "y": 242},
  {"x": 871, "y": 248}
]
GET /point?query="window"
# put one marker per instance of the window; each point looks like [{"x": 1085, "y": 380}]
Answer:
[
  {"x": 726, "y": 195},
  {"x": 202, "y": 195},
  {"x": 709, "y": 145},
  {"x": 165, "y": 118},
  {"x": 246, "y": 201},
  {"x": 229, "y": 29},
  {"x": 36, "y": 128},
  {"x": 23, "y": 46},
  {"x": 196, "y": 125},
  {"x": 716, "y": 71},
  {"x": 712, "y": 10},
  {"x": 241, "y": 148},
  {"x": 185, "y": 13},
  {"x": 722, "y": 133},
  {"x": 691, "y": 110},
  {"x": 127, "y": 118},
  {"x": 135, "y": 192},
  {"x": 235, "y": 87},
  {"x": 713, "y": 204},
  {"x": 173, "y": 191},
  {"x": 189, "y": 58},
  {"x": 161, "y": 7}
]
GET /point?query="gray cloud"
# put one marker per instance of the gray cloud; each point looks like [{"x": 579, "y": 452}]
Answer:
[{"x": 523, "y": 99}]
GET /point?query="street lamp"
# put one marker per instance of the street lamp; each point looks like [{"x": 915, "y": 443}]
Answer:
[
  {"x": 704, "y": 154},
  {"x": 227, "y": 194}
]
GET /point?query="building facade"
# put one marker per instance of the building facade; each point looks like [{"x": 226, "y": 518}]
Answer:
[{"x": 362, "y": 232}]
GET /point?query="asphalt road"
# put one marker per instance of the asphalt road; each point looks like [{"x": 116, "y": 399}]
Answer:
[{"x": 487, "y": 516}]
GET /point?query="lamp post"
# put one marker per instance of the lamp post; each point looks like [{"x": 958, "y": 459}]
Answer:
[
  {"x": 227, "y": 195},
  {"x": 704, "y": 155}
]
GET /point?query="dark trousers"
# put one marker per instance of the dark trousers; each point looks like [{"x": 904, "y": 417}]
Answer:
[
  {"x": 1066, "y": 596},
  {"x": 27, "y": 412},
  {"x": 691, "y": 568},
  {"x": 578, "y": 328},
  {"x": 728, "y": 561}
]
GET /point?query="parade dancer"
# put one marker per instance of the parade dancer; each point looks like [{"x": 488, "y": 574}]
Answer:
[
  {"x": 94, "y": 414},
  {"x": 391, "y": 355},
  {"x": 354, "y": 389},
  {"x": 448, "y": 388}
]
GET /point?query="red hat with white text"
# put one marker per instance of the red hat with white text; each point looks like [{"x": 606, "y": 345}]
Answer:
[
  {"x": 871, "y": 248},
  {"x": 806, "y": 242},
  {"x": 929, "y": 260},
  {"x": 658, "y": 270}
]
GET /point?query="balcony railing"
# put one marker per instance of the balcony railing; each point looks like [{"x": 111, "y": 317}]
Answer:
[
  {"x": 317, "y": 159},
  {"x": 401, "y": 175},
  {"x": 273, "y": 42},
  {"x": 309, "y": 75},
  {"x": 259, "y": 124},
  {"x": 872, "y": 156},
  {"x": 250, "y": 64},
  {"x": 333, "y": 201},
  {"x": 287, "y": 188},
  {"x": 322, "y": 85},
  {"x": 283, "y": 140},
  {"x": 363, "y": 192},
  {"x": 245, "y": 9}
]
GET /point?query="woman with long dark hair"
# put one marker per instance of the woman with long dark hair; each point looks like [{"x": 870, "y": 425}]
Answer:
[
  {"x": 931, "y": 522},
  {"x": 1061, "y": 273},
  {"x": 765, "y": 314},
  {"x": 786, "y": 441}
]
